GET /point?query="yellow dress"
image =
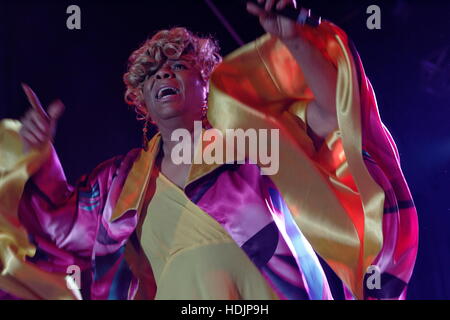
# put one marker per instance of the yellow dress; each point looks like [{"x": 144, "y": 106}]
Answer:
[{"x": 191, "y": 255}]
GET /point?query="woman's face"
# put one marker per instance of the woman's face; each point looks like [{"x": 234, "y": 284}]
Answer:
[{"x": 176, "y": 89}]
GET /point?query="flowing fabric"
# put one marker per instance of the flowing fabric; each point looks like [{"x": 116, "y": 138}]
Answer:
[
  {"x": 347, "y": 202},
  {"x": 18, "y": 277},
  {"x": 350, "y": 200}
]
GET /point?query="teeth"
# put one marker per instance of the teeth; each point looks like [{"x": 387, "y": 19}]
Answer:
[{"x": 160, "y": 91}]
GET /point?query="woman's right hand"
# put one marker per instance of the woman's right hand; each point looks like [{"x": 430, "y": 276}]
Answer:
[{"x": 38, "y": 126}]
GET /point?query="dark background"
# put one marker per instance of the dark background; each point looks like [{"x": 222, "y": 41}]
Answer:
[{"x": 408, "y": 62}]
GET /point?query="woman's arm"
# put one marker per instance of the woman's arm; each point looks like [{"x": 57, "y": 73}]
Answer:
[
  {"x": 321, "y": 77},
  {"x": 46, "y": 224},
  {"x": 319, "y": 72}
]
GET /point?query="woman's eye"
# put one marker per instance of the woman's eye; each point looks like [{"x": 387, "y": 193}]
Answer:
[{"x": 179, "y": 66}]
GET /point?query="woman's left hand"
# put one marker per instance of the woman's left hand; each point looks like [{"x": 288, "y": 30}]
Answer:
[{"x": 275, "y": 24}]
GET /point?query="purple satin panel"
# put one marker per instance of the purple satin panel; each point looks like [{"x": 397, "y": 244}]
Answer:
[
  {"x": 235, "y": 200},
  {"x": 56, "y": 189},
  {"x": 120, "y": 230}
]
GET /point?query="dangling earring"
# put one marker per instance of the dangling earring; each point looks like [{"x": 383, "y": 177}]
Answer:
[
  {"x": 145, "y": 135},
  {"x": 205, "y": 121},
  {"x": 204, "y": 111}
]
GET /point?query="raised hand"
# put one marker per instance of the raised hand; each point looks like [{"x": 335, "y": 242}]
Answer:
[
  {"x": 38, "y": 126},
  {"x": 277, "y": 25}
]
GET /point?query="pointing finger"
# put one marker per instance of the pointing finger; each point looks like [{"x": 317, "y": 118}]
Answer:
[{"x": 34, "y": 100}]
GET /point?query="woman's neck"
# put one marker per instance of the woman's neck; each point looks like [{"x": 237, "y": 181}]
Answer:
[
  {"x": 176, "y": 172},
  {"x": 168, "y": 144}
]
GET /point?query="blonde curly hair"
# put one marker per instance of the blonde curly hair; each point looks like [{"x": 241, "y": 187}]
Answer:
[{"x": 167, "y": 44}]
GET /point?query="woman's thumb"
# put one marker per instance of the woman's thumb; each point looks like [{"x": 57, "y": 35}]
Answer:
[{"x": 55, "y": 110}]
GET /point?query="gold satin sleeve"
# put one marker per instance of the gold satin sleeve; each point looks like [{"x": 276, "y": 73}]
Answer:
[
  {"x": 17, "y": 276},
  {"x": 330, "y": 193}
]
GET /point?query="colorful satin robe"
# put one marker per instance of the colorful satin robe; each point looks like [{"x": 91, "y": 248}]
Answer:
[{"x": 348, "y": 201}]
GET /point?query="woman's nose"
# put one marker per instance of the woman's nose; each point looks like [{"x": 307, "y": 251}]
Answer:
[{"x": 164, "y": 73}]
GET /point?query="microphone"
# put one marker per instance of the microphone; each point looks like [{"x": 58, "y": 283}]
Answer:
[{"x": 300, "y": 15}]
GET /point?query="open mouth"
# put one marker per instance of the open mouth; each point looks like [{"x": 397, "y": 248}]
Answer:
[{"x": 166, "y": 92}]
